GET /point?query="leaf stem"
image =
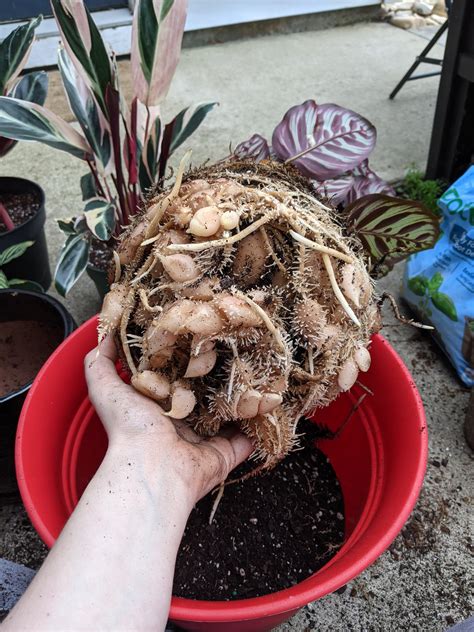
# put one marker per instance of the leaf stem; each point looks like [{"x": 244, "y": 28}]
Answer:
[{"x": 6, "y": 219}]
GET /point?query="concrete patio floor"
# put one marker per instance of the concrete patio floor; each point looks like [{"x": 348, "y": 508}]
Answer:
[{"x": 422, "y": 582}]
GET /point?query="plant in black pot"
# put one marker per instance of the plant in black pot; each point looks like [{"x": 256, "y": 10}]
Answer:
[
  {"x": 22, "y": 211},
  {"x": 125, "y": 145}
]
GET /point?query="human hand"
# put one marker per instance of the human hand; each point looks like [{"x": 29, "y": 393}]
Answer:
[{"x": 167, "y": 450}]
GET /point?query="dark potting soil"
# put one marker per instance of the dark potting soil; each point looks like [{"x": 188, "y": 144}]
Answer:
[
  {"x": 20, "y": 207},
  {"x": 269, "y": 532},
  {"x": 100, "y": 255},
  {"x": 24, "y": 347}
]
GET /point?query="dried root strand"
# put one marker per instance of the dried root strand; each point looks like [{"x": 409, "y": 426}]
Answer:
[{"x": 339, "y": 295}]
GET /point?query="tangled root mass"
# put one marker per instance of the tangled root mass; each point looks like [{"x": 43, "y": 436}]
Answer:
[{"x": 240, "y": 299}]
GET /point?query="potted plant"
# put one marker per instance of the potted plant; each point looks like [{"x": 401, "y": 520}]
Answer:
[
  {"x": 22, "y": 210},
  {"x": 32, "y": 325},
  {"x": 125, "y": 145}
]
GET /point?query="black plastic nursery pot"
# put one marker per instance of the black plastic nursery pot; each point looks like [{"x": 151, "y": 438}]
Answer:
[
  {"x": 32, "y": 325},
  {"x": 33, "y": 265}
]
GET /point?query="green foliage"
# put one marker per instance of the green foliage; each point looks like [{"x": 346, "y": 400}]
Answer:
[
  {"x": 415, "y": 187},
  {"x": 8, "y": 255},
  {"x": 391, "y": 228},
  {"x": 429, "y": 289},
  {"x": 126, "y": 145}
]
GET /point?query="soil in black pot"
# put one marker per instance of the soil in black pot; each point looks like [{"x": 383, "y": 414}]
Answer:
[
  {"x": 20, "y": 206},
  {"x": 24, "y": 347},
  {"x": 100, "y": 255},
  {"x": 269, "y": 532}
]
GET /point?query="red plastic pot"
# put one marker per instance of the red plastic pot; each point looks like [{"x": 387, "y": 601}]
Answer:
[{"x": 380, "y": 461}]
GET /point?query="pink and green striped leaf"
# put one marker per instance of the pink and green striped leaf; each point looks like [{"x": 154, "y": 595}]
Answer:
[
  {"x": 323, "y": 141},
  {"x": 89, "y": 116},
  {"x": 14, "y": 51},
  {"x": 100, "y": 218},
  {"x": 85, "y": 46},
  {"x": 72, "y": 263},
  {"x": 255, "y": 148},
  {"x": 157, "y": 33},
  {"x": 21, "y": 120},
  {"x": 391, "y": 227},
  {"x": 352, "y": 185}
]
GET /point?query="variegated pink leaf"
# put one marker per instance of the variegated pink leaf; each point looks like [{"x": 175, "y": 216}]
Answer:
[
  {"x": 157, "y": 32},
  {"x": 323, "y": 141},
  {"x": 353, "y": 185},
  {"x": 85, "y": 46},
  {"x": 21, "y": 120},
  {"x": 256, "y": 148},
  {"x": 14, "y": 52}
]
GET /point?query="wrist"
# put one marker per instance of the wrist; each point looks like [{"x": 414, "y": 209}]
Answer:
[{"x": 137, "y": 466}]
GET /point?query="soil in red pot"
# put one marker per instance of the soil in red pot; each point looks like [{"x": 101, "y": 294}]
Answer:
[
  {"x": 269, "y": 532},
  {"x": 24, "y": 347},
  {"x": 20, "y": 206}
]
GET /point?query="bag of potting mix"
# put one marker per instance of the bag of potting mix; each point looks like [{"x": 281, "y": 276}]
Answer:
[{"x": 439, "y": 283}]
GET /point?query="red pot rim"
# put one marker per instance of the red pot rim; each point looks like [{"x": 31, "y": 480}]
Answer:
[{"x": 282, "y": 601}]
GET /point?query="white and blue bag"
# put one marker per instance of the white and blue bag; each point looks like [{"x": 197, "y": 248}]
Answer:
[{"x": 439, "y": 283}]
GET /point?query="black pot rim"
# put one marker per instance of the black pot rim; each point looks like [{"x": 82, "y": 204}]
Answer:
[
  {"x": 41, "y": 199},
  {"x": 68, "y": 326}
]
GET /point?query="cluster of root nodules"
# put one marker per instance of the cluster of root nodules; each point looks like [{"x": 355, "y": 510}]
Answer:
[{"x": 238, "y": 299}]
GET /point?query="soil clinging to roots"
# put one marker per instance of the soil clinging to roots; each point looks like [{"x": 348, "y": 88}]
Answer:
[{"x": 238, "y": 298}]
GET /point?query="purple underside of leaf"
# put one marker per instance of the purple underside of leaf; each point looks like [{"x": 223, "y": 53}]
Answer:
[
  {"x": 323, "y": 141},
  {"x": 255, "y": 148},
  {"x": 353, "y": 185}
]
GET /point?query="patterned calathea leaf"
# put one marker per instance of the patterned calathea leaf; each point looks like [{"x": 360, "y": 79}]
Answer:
[
  {"x": 89, "y": 116},
  {"x": 71, "y": 263},
  {"x": 21, "y": 120},
  {"x": 157, "y": 32},
  {"x": 100, "y": 218},
  {"x": 323, "y": 141},
  {"x": 352, "y": 185},
  {"x": 85, "y": 46},
  {"x": 31, "y": 87},
  {"x": 391, "y": 228},
  {"x": 14, "y": 51},
  {"x": 255, "y": 148},
  {"x": 14, "y": 252}
]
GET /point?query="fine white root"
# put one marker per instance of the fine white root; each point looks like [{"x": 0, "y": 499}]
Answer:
[
  {"x": 123, "y": 331},
  {"x": 216, "y": 502},
  {"x": 163, "y": 206},
  {"x": 264, "y": 316},
  {"x": 218, "y": 243},
  {"x": 319, "y": 247},
  {"x": 144, "y": 300},
  {"x": 271, "y": 252},
  {"x": 337, "y": 292}
]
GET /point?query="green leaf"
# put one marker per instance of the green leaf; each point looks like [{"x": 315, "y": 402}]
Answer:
[
  {"x": 88, "y": 186},
  {"x": 84, "y": 107},
  {"x": 22, "y": 120},
  {"x": 445, "y": 304},
  {"x": 148, "y": 28},
  {"x": 14, "y": 52},
  {"x": 85, "y": 46},
  {"x": 71, "y": 264},
  {"x": 32, "y": 87},
  {"x": 100, "y": 218},
  {"x": 3, "y": 281},
  {"x": 418, "y": 285},
  {"x": 67, "y": 226},
  {"x": 149, "y": 156},
  {"x": 187, "y": 122},
  {"x": 435, "y": 282},
  {"x": 13, "y": 252},
  {"x": 26, "y": 285},
  {"x": 391, "y": 227}
]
